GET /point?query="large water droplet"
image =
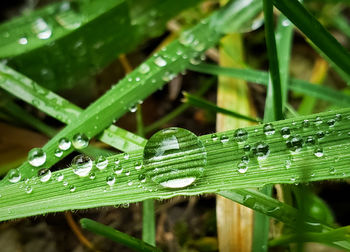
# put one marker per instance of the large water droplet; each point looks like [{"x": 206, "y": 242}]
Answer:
[
  {"x": 144, "y": 68},
  {"x": 44, "y": 175},
  {"x": 269, "y": 129},
  {"x": 64, "y": 144},
  {"x": 14, "y": 176},
  {"x": 240, "y": 135},
  {"x": 82, "y": 165},
  {"x": 80, "y": 141},
  {"x": 174, "y": 158},
  {"x": 101, "y": 162},
  {"x": 36, "y": 157}
]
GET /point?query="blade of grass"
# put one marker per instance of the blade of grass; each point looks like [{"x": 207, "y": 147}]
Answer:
[
  {"x": 148, "y": 222},
  {"x": 117, "y": 236},
  {"x": 61, "y": 109},
  {"x": 261, "y": 77},
  {"x": 342, "y": 24},
  {"x": 220, "y": 172},
  {"x": 204, "y": 104},
  {"x": 315, "y": 32}
]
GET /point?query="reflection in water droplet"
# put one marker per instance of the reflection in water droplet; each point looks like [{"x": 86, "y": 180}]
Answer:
[
  {"x": 64, "y": 144},
  {"x": 14, "y": 175},
  {"x": 80, "y": 141},
  {"x": 36, "y": 157},
  {"x": 101, "y": 162},
  {"x": 44, "y": 175},
  {"x": 81, "y": 165},
  {"x": 269, "y": 129},
  {"x": 174, "y": 158},
  {"x": 240, "y": 135}
]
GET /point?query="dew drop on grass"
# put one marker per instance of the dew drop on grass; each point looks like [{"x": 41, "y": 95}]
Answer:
[
  {"x": 23, "y": 41},
  {"x": 44, "y": 175},
  {"x": 130, "y": 183},
  {"x": 117, "y": 168},
  {"x": 42, "y": 29},
  {"x": 310, "y": 141},
  {"x": 247, "y": 147},
  {"x": 133, "y": 108},
  {"x": 242, "y": 167},
  {"x": 318, "y": 121},
  {"x": 126, "y": 156},
  {"x": 138, "y": 165},
  {"x": 268, "y": 129},
  {"x": 186, "y": 38},
  {"x": 82, "y": 165},
  {"x": 80, "y": 141},
  {"x": 318, "y": 152},
  {"x": 240, "y": 135},
  {"x": 214, "y": 137},
  {"x": 142, "y": 178},
  {"x": 338, "y": 117},
  {"x": 110, "y": 180},
  {"x": 144, "y": 68},
  {"x": 305, "y": 123},
  {"x": 14, "y": 176},
  {"x": 64, "y": 144},
  {"x": 36, "y": 157},
  {"x": 59, "y": 177},
  {"x": 295, "y": 143},
  {"x": 285, "y": 132},
  {"x": 320, "y": 134},
  {"x": 261, "y": 150},
  {"x": 174, "y": 158},
  {"x": 332, "y": 170},
  {"x": 101, "y": 162},
  {"x": 58, "y": 153},
  {"x": 28, "y": 189},
  {"x": 224, "y": 139},
  {"x": 72, "y": 188},
  {"x": 331, "y": 122},
  {"x": 92, "y": 175},
  {"x": 159, "y": 61}
]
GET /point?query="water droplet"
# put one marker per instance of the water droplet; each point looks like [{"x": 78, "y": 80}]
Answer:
[
  {"x": 82, "y": 165},
  {"x": 159, "y": 61},
  {"x": 240, "y": 135},
  {"x": 261, "y": 150},
  {"x": 269, "y": 129},
  {"x": 142, "y": 178},
  {"x": 320, "y": 134},
  {"x": 64, "y": 144},
  {"x": 144, "y": 68},
  {"x": 242, "y": 167},
  {"x": 332, "y": 170},
  {"x": 286, "y": 22},
  {"x": 288, "y": 163},
  {"x": 338, "y": 117},
  {"x": 331, "y": 122},
  {"x": 101, "y": 162},
  {"x": 295, "y": 143},
  {"x": 110, "y": 180},
  {"x": 14, "y": 176},
  {"x": 36, "y": 157},
  {"x": 44, "y": 175},
  {"x": 306, "y": 123},
  {"x": 318, "y": 152},
  {"x": 133, "y": 109},
  {"x": 92, "y": 175},
  {"x": 186, "y": 38},
  {"x": 59, "y": 177},
  {"x": 138, "y": 165},
  {"x": 126, "y": 156},
  {"x": 23, "y": 41},
  {"x": 310, "y": 141},
  {"x": 130, "y": 183},
  {"x": 118, "y": 169},
  {"x": 174, "y": 158},
  {"x": 28, "y": 189},
  {"x": 247, "y": 147},
  {"x": 72, "y": 188},
  {"x": 80, "y": 141},
  {"x": 127, "y": 173},
  {"x": 65, "y": 183},
  {"x": 58, "y": 153},
  {"x": 168, "y": 76},
  {"x": 318, "y": 121},
  {"x": 214, "y": 137},
  {"x": 285, "y": 132},
  {"x": 42, "y": 29},
  {"x": 224, "y": 139}
]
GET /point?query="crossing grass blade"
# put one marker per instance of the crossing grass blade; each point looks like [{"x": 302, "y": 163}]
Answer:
[
  {"x": 260, "y": 77},
  {"x": 282, "y": 165}
]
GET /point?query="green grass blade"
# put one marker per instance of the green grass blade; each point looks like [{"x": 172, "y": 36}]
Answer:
[
  {"x": 261, "y": 77},
  {"x": 221, "y": 173},
  {"x": 148, "y": 222},
  {"x": 273, "y": 105},
  {"x": 60, "y": 108},
  {"x": 117, "y": 236},
  {"x": 117, "y": 101},
  {"x": 315, "y": 32},
  {"x": 342, "y": 24},
  {"x": 204, "y": 104}
]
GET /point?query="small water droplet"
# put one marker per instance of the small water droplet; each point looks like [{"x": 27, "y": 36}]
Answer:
[
  {"x": 59, "y": 177},
  {"x": 247, "y": 147},
  {"x": 142, "y": 178},
  {"x": 130, "y": 183},
  {"x": 214, "y": 137},
  {"x": 14, "y": 176},
  {"x": 285, "y": 132},
  {"x": 186, "y": 38},
  {"x": 224, "y": 139},
  {"x": 82, "y": 165},
  {"x": 58, "y": 153},
  {"x": 117, "y": 168},
  {"x": 168, "y": 76},
  {"x": 127, "y": 173},
  {"x": 36, "y": 157},
  {"x": 261, "y": 150},
  {"x": 288, "y": 163},
  {"x": 331, "y": 122},
  {"x": 159, "y": 61},
  {"x": 44, "y": 175},
  {"x": 72, "y": 188},
  {"x": 242, "y": 167},
  {"x": 42, "y": 29},
  {"x": 306, "y": 123},
  {"x": 126, "y": 156},
  {"x": 23, "y": 41},
  {"x": 138, "y": 165},
  {"x": 80, "y": 141},
  {"x": 65, "y": 183},
  {"x": 28, "y": 189},
  {"x": 133, "y": 109},
  {"x": 295, "y": 143},
  {"x": 318, "y": 152},
  {"x": 338, "y": 117},
  {"x": 320, "y": 134},
  {"x": 110, "y": 180},
  {"x": 268, "y": 129},
  {"x": 286, "y": 22},
  {"x": 101, "y": 162},
  {"x": 332, "y": 170},
  {"x": 92, "y": 175},
  {"x": 64, "y": 144},
  {"x": 174, "y": 158},
  {"x": 318, "y": 121},
  {"x": 240, "y": 135},
  {"x": 310, "y": 141}
]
